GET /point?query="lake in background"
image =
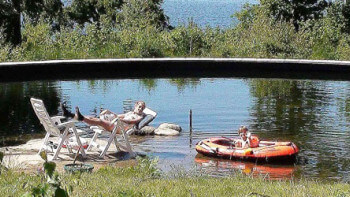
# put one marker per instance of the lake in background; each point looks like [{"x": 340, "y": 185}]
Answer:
[
  {"x": 213, "y": 13},
  {"x": 314, "y": 114}
]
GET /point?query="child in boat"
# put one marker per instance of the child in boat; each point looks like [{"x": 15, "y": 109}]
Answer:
[
  {"x": 247, "y": 141},
  {"x": 245, "y": 135}
]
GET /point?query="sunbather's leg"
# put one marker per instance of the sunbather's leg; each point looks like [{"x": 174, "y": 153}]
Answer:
[
  {"x": 88, "y": 120},
  {"x": 93, "y": 121},
  {"x": 98, "y": 122}
]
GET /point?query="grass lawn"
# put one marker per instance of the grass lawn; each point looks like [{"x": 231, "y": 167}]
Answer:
[{"x": 144, "y": 179}]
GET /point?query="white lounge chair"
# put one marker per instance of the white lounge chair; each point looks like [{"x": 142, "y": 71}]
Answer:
[
  {"x": 53, "y": 127},
  {"x": 112, "y": 136}
]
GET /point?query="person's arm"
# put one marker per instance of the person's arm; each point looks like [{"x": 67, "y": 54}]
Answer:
[
  {"x": 249, "y": 137},
  {"x": 106, "y": 111},
  {"x": 133, "y": 121},
  {"x": 121, "y": 116}
]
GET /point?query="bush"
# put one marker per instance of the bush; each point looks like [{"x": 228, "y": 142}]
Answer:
[{"x": 137, "y": 35}]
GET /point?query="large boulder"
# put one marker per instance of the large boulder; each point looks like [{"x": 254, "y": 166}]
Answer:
[
  {"x": 146, "y": 130},
  {"x": 166, "y": 131},
  {"x": 170, "y": 126}
]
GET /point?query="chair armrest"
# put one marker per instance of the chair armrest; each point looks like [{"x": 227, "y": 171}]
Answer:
[
  {"x": 60, "y": 117},
  {"x": 57, "y": 119},
  {"x": 148, "y": 111},
  {"x": 131, "y": 130},
  {"x": 97, "y": 129},
  {"x": 65, "y": 124},
  {"x": 145, "y": 121}
]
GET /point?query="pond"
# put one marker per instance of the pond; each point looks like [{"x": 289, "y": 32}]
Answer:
[{"x": 314, "y": 114}]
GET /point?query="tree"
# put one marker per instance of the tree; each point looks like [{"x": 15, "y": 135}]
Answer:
[
  {"x": 90, "y": 11},
  {"x": 126, "y": 13},
  {"x": 141, "y": 13},
  {"x": 295, "y": 11},
  {"x": 10, "y": 20},
  {"x": 346, "y": 15},
  {"x": 11, "y": 12}
]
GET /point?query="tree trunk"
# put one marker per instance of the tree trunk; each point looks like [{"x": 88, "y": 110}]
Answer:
[{"x": 15, "y": 24}]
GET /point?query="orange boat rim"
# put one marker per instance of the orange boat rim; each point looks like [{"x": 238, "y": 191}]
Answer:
[{"x": 263, "y": 150}]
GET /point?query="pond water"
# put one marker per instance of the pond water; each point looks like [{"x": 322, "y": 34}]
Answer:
[{"x": 314, "y": 114}]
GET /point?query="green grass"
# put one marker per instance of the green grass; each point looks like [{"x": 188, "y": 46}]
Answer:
[{"x": 145, "y": 180}]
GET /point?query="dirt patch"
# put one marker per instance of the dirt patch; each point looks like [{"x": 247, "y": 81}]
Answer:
[{"x": 25, "y": 157}]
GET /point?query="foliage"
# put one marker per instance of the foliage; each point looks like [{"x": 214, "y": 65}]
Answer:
[
  {"x": 50, "y": 10},
  {"x": 141, "y": 30},
  {"x": 187, "y": 41},
  {"x": 52, "y": 187},
  {"x": 142, "y": 13},
  {"x": 31, "y": 11},
  {"x": 102, "y": 14},
  {"x": 295, "y": 11},
  {"x": 326, "y": 33},
  {"x": 92, "y": 11},
  {"x": 10, "y": 21},
  {"x": 247, "y": 15},
  {"x": 2, "y": 167}
]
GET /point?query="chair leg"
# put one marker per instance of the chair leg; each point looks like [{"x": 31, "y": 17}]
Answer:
[
  {"x": 110, "y": 139},
  {"x": 93, "y": 141},
  {"x": 67, "y": 144},
  {"x": 79, "y": 142},
  {"x": 128, "y": 146},
  {"x": 60, "y": 143},
  {"x": 46, "y": 139}
]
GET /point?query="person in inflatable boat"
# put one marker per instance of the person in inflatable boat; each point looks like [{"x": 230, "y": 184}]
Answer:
[
  {"x": 246, "y": 141},
  {"x": 107, "y": 118}
]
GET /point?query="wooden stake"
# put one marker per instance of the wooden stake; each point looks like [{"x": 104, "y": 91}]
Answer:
[{"x": 190, "y": 127}]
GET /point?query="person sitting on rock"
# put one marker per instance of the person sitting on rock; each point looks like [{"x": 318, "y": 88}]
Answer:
[{"x": 130, "y": 118}]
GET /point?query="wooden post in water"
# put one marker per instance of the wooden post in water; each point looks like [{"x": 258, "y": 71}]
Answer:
[{"x": 190, "y": 127}]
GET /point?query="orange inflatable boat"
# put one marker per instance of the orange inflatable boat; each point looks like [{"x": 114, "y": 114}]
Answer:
[{"x": 262, "y": 151}]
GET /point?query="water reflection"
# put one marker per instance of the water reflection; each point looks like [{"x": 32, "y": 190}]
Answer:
[
  {"x": 221, "y": 167},
  {"x": 287, "y": 106},
  {"x": 17, "y": 117},
  {"x": 306, "y": 113},
  {"x": 181, "y": 84}
]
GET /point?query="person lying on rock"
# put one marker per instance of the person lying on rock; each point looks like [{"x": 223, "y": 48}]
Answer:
[{"x": 108, "y": 119}]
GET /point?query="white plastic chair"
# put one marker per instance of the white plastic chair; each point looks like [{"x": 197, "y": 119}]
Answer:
[
  {"x": 112, "y": 136},
  {"x": 52, "y": 126}
]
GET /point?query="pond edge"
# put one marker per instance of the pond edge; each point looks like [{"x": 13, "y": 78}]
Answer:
[{"x": 174, "y": 67}]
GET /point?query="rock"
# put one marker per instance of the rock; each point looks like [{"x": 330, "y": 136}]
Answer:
[
  {"x": 170, "y": 126},
  {"x": 146, "y": 130},
  {"x": 166, "y": 131}
]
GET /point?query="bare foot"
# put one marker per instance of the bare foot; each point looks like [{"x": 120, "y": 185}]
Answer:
[
  {"x": 78, "y": 115},
  {"x": 65, "y": 111}
]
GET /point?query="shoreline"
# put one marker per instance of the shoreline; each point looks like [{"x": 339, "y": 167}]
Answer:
[{"x": 172, "y": 68}]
